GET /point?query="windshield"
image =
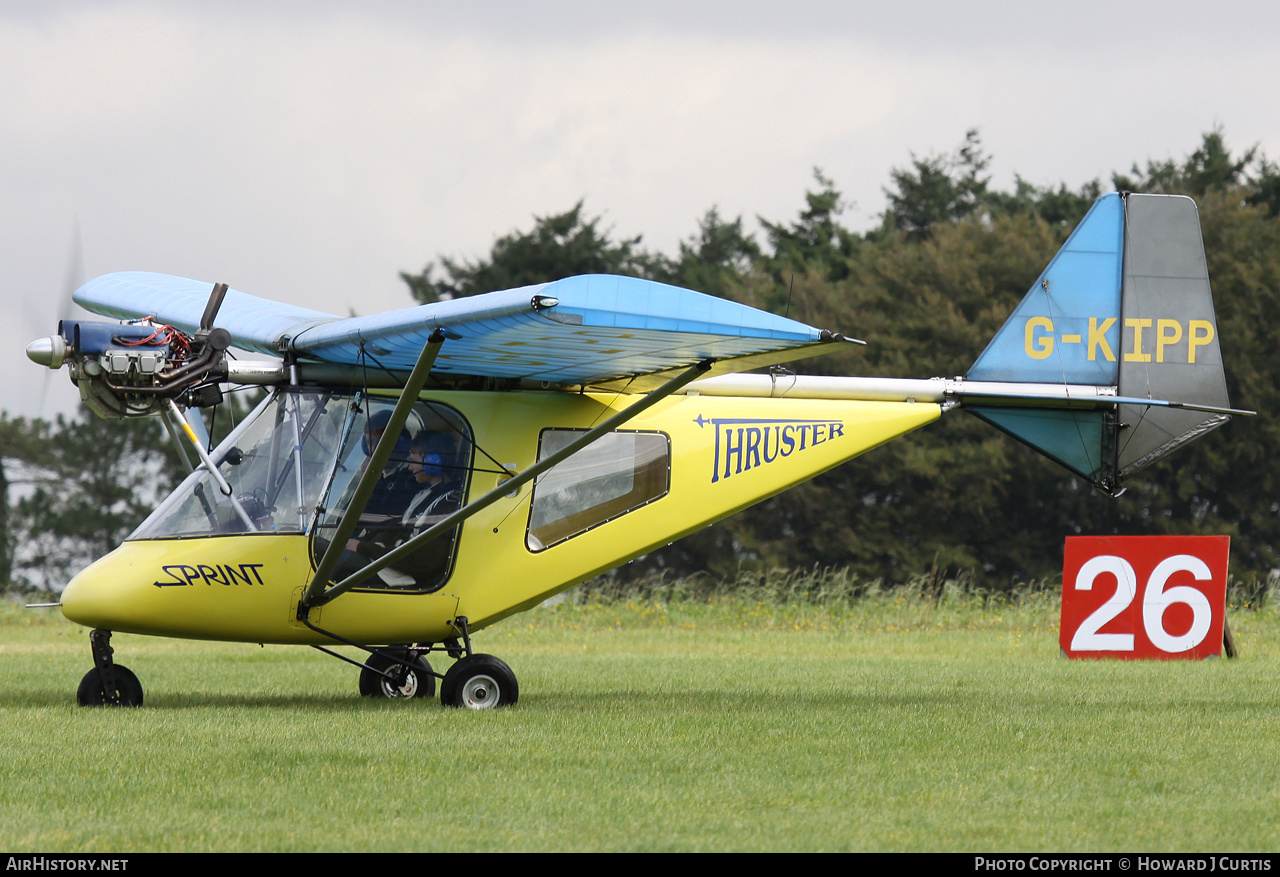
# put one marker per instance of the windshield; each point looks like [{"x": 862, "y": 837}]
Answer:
[{"x": 276, "y": 464}]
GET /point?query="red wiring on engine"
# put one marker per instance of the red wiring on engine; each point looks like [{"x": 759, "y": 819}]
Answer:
[{"x": 178, "y": 343}]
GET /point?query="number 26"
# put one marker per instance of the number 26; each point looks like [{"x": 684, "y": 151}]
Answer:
[{"x": 1156, "y": 600}]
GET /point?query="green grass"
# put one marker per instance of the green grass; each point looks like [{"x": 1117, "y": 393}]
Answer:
[{"x": 881, "y": 723}]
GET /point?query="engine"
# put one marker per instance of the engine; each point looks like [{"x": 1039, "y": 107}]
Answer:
[{"x": 133, "y": 369}]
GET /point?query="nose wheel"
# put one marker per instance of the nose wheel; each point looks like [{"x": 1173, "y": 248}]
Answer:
[
  {"x": 108, "y": 683},
  {"x": 124, "y": 689}
]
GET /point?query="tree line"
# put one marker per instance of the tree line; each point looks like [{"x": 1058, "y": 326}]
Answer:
[{"x": 927, "y": 286}]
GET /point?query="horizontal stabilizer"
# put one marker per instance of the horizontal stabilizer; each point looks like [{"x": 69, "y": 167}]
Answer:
[{"x": 1078, "y": 440}]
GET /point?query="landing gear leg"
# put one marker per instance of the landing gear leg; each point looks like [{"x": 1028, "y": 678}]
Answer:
[{"x": 108, "y": 683}]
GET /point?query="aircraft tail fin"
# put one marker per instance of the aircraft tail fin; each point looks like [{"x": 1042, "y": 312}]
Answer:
[{"x": 1126, "y": 305}]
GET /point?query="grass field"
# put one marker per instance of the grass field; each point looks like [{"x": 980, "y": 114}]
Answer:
[{"x": 887, "y": 723}]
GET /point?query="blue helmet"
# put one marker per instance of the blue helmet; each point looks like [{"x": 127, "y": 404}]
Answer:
[{"x": 378, "y": 423}]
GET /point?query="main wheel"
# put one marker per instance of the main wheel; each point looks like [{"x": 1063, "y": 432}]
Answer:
[
  {"x": 479, "y": 682},
  {"x": 413, "y": 681},
  {"x": 93, "y": 693}
]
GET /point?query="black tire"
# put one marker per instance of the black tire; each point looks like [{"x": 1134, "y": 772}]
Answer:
[
  {"x": 418, "y": 680},
  {"x": 479, "y": 682},
  {"x": 93, "y": 693}
]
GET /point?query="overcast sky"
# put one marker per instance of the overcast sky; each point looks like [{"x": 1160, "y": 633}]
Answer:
[{"x": 310, "y": 151}]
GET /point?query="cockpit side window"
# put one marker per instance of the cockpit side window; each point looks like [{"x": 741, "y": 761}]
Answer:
[
  {"x": 619, "y": 473},
  {"x": 424, "y": 480}
]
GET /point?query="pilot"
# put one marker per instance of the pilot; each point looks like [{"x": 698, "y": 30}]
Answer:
[
  {"x": 391, "y": 495},
  {"x": 396, "y": 485},
  {"x": 438, "y": 495}
]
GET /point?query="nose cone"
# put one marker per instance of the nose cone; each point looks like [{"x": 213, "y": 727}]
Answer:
[
  {"x": 105, "y": 595},
  {"x": 51, "y": 351},
  {"x": 79, "y": 602}
]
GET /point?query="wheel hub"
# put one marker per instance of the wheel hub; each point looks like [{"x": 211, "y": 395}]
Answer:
[
  {"x": 481, "y": 693},
  {"x": 405, "y": 685}
]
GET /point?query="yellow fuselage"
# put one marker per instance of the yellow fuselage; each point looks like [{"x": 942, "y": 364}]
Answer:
[{"x": 726, "y": 453}]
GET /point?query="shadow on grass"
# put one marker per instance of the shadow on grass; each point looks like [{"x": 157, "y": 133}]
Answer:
[
  {"x": 15, "y": 700},
  {"x": 947, "y": 694},
  {"x": 548, "y": 702}
]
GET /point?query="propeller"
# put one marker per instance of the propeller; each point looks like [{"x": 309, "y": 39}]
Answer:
[{"x": 48, "y": 351}]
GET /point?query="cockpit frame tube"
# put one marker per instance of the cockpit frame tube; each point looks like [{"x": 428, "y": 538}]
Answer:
[
  {"x": 314, "y": 594},
  {"x": 212, "y": 469},
  {"x": 504, "y": 489},
  {"x": 273, "y": 458},
  {"x": 166, "y": 419},
  {"x": 296, "y": 411}
]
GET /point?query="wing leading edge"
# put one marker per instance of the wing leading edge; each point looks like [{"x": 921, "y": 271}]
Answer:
[{"x": 593, "y": 329}]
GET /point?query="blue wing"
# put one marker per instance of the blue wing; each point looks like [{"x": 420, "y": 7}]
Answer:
[
  {"x": 255, "y": 323},
  {"x": 592, "y": 329}
]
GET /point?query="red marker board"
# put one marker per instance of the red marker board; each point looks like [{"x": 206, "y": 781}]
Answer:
[{"x": 1144, "y": 596}]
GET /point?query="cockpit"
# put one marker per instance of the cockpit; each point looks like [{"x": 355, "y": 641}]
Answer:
[{"x": 291, "y": 468}]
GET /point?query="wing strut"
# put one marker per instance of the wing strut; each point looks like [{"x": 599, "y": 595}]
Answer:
[
  {"x": 372, "y": 471},
  {"x": 317, "y": 595}
]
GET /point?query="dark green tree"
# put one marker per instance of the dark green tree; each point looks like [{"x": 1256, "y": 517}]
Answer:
[
  {"x": 1209, "y": 166},
  {"x": 961, "y": 497},
  {"x": 816, "y": 241},
  {"x": 927, "y": 290},
  {"x": 718, "y": 260},
  {"x": 561, "y": 245},
  {"x": 18, "y": 447},
  {"x": 1057, "y": 206},
  {"x": 939, "y": 497},
  {"x": 937, "y": 190}
]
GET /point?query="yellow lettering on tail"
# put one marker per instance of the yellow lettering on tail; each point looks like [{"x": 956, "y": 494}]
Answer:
[
  {"x": 1039, "y": 347},
  {"x": 1164, "y": 338},
  {"x": 1197, "y": 339},
  {"x": 1137, "y": 355},
  {"x": 1098, "y": 339}
]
